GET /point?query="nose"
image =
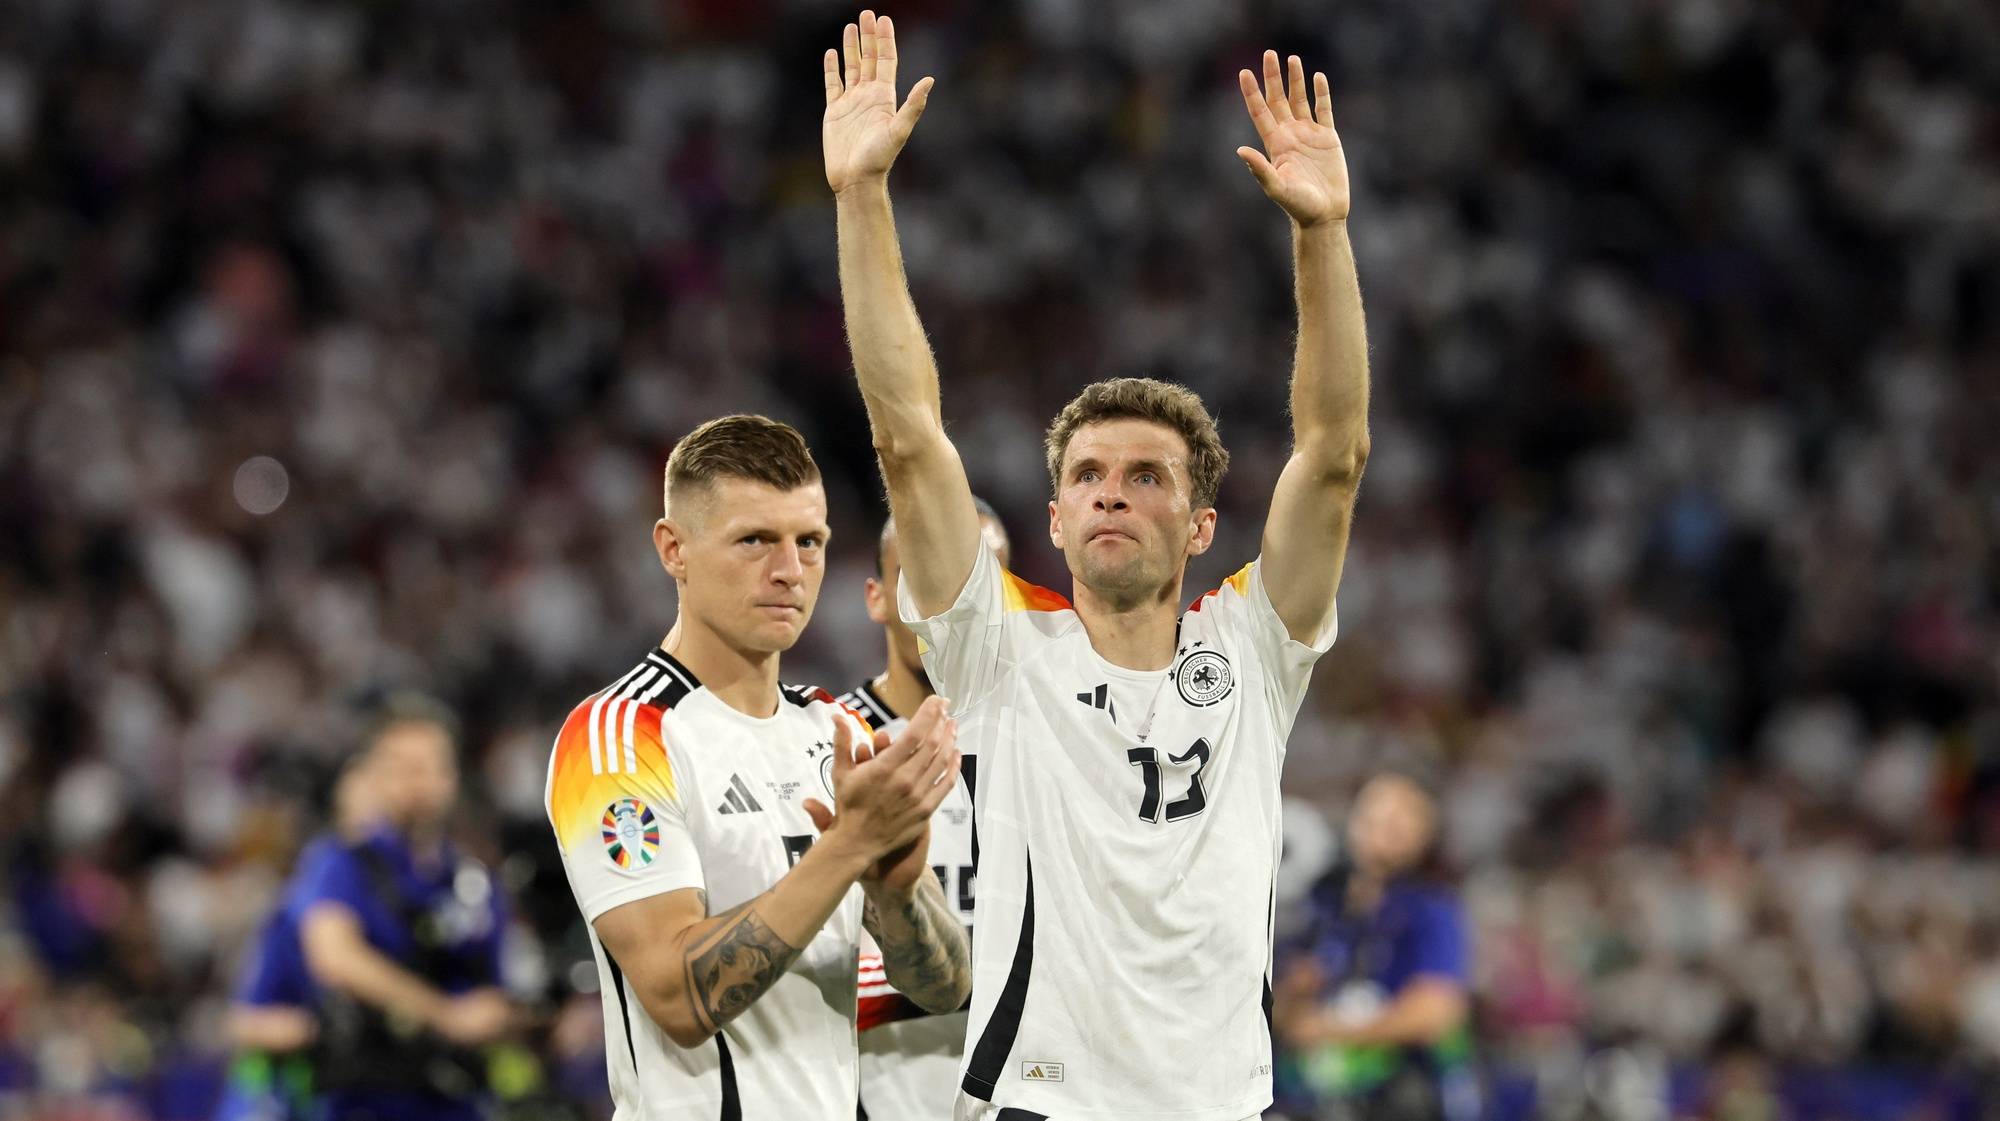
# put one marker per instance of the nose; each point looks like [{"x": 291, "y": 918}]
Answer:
[
  {"x": 1109, "y": 497},
  {"x": 787, "y": 566}
]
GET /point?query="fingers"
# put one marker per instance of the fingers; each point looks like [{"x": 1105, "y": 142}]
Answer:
[
  {"x": 843, "y": 747},
  {"x": 850, "y": 50},
  {"x": 913, "y": 107},
  {"x": 1253, "y": 100},
  {"x": 935, "y": 795},
  {"x": 1267, "y": 176},
  {"x": 885, "y": 51},
  {"x": 868, "y": 61},
  {"x": 822, "y": 817},
  {"x": 1296, "y": 81},
  {"x": 1322, "y": 100},
  {"x": 921, "y": 764},
  {"x": 1274, "y": 89},
  {"x": 923, "y": 726}
]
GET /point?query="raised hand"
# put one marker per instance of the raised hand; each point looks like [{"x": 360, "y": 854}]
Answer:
[
  {"x": 887, "y": 791},
  {"x": 1301, "y": 167},
  {"x": 863, "y": 129}
]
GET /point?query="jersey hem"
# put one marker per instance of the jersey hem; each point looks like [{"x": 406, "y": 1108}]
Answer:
[{"x": 1247, "y": 1107}]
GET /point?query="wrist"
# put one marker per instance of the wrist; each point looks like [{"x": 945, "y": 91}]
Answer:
[
  {"x": 865, "y": 187},
  {"x": 881, "y": 892},
  {"x": 1320, "y": 227},
  {"x": 842, "y": 853},
  {"x": 432, "y": 1009}
]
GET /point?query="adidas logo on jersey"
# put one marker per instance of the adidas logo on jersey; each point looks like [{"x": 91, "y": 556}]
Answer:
[
  {"x": 1042, "y": 1072},
  {"x": 739, "y": 799},
  {"x": 1099, "y": 697}
]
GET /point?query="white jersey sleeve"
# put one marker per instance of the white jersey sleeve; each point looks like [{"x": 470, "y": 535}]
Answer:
[
  {"x": 967, "y": 646},
  {"x": 1242, "y": 606},
  {"x": 616, "y": 808}
]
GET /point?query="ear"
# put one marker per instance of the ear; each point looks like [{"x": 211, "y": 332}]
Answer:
[
  {"x": 1204, "y": 531},
  {"x": 671, "y": 544},
  {"x": 1055, "y": 526},
  {"x": 880, "y": 610}
]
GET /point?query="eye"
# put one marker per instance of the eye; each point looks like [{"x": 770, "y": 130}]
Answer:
[
  {"x": 1146, "y": 477},
  {"x": 750, "y": 539},
  {"x": 1087, "y": 475}
]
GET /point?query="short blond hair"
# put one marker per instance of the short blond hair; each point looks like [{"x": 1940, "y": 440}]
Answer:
[
  {"x": 1163, "y": 403},
  {"x": 739, "y": 446}
]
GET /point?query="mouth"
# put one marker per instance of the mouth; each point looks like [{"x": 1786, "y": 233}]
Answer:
[
  {"x": 782, "y": 610},
  {"x": 1111, "y": 535}
]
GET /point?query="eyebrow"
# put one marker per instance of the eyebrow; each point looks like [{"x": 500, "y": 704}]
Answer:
[
  {"x": 1156, "y": 466},
  {"x": 822, "y": 532}
]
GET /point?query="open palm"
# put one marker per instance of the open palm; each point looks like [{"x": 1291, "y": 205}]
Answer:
[
  {"x": 863, "y": 129},
  {"x": 1301, "y": 167}
]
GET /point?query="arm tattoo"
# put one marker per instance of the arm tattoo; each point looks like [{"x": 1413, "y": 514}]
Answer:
[
  {"x": 734, "y": 964},
  {"x": 924, "y": 949}
]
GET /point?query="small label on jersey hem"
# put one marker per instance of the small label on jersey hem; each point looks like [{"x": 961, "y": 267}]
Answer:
[{"x": 1042, "y": 1072}]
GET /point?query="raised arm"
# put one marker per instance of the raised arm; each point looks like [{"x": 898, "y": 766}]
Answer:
[
  {"x": 1303, "y": 170},
  {"x": 937, "y": 525}
]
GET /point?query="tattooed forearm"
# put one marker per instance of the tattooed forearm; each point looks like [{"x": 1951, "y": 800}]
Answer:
[
  {"x": 924, "y": 949},
  {"x": 729, "y": 967}
]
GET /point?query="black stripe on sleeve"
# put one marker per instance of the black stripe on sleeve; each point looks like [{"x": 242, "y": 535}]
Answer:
[
  {"x": 732, "y": 1106},
  {"x": 982, "y": 1074},
  {"x": 1013, "y": 1114},
  {"x": 624, "y": 1009}
]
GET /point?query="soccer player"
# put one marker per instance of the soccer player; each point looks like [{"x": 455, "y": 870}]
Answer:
[
  {"x": 909, "y": 1057},
  {"x": 691, "y": 797},
  {"x": 1129, "y": 752}
]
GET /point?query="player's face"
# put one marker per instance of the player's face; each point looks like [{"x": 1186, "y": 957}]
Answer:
[
  {"x": 1124, "y": 516},
  {"x": 414, "y": 773},
  {"x": 1391, "y": 825},
  {"x": 750, "y": 566},
  {"x": 881, "y": 592}
]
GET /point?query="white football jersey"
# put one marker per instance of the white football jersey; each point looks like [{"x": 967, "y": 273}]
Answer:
[
  {"x": 1129, "y": 837},
  {"x": 656, "y": 785},
  {"x": 910, "y": 1057}
]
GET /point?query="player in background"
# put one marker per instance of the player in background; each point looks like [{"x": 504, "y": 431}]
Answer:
[
  {"x": 271, "y": 1023},
  {"x": 690, "y": 800},
  {"x": 1129, "y": 752},
  {"x": 909, "y": 1057}
]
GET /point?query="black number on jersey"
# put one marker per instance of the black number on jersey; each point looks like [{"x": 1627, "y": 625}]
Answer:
[
  {"x": 795, "y": 847},
  {"x": 966, "y": 876},
  {"x": 1147, "y": 759}
]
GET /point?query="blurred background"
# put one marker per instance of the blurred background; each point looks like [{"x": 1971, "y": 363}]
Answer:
[{"x": 342, "y": 343}]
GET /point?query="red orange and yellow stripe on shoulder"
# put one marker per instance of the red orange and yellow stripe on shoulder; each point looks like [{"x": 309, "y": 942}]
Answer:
[{"x": 1239, "y": 580}]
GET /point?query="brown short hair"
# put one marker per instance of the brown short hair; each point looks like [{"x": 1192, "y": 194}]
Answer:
[
  {"x": 741, "y": 446},
  {"x": 1164, "y": 403}
]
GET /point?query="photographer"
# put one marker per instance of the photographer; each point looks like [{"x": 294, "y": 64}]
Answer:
[
  {"x": 1373, "y": 1003},
  {"x": 402, "y": 937}
]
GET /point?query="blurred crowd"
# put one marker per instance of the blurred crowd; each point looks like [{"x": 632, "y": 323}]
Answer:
[{"x": 341, "y": 345}]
